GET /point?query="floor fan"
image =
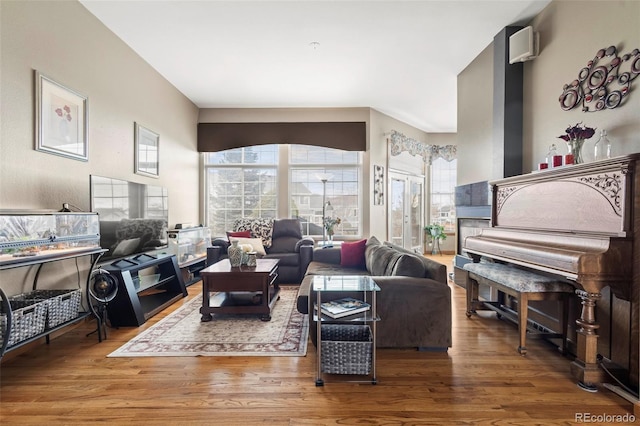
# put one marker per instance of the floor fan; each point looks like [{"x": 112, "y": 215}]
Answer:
[{"x": 103, "y": 288}]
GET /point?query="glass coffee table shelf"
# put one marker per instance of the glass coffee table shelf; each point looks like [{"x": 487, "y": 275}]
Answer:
[{"x": 346, "y": 345}]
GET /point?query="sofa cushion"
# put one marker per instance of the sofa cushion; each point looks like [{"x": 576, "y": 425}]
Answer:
[
  {"x": 372, "y": 244},
  {"x": 286, "y": 259},
  {"x": 320, "y": 268},
  {"x": 379, "y": 258},
  {"x": 352, "y": 253},
  {"x": 259, "y": 227},
  {"x": 408, "y": 265}
]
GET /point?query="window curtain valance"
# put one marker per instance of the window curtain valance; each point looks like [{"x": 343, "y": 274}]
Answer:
[
  {"x": 349, "y": 136},
  {"x": 400, "y": 143}
]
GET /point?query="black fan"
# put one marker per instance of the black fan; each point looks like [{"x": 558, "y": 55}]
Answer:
[{"x": 103, "y": 288}]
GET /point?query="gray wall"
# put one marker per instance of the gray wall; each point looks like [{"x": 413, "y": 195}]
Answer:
[
  {"x": 62, "y": 40},
  {"x": 571, "y": 32}
]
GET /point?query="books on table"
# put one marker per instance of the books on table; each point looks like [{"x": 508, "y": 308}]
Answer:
[{"x": 344, "y": 307}]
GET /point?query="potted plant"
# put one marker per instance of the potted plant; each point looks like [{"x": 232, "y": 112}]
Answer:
[{"x": 435, "y": 233}]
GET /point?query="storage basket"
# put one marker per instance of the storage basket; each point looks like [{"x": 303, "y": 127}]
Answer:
[
  {"x": 28, "y": 320},
  {"x": 62, "y": 305},
  {"x": 346, "y": 349}
]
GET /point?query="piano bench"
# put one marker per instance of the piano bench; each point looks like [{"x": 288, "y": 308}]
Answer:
[{"x": 521, "y": 284}]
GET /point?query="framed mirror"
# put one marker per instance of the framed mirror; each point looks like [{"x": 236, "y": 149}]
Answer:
[{"x": 147, "y": 155}]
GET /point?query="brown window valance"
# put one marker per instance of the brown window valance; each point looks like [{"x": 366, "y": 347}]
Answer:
[{"x": 350, "y": 136}]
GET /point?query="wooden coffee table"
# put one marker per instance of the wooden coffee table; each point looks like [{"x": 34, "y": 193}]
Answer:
[{"x": 240, "y": 290}]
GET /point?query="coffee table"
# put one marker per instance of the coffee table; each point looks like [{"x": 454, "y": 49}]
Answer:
[{"x": 240, "y": 290}]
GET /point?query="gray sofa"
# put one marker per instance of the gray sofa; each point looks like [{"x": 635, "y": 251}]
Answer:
[
  {"x": 414, "y": 302},
  {"x": 283, "y": 240}
]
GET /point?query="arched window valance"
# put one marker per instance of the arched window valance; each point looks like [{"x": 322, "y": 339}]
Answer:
[
  {"x": 400, "y": 143},
  {"x": 349, "y": 136}
]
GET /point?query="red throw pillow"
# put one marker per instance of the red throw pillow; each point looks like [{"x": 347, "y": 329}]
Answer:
[
  {"x": 352, "y": 253},
  {"x": 239, "y": 234}
]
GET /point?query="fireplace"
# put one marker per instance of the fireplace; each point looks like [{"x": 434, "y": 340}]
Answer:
[{"x": 473, "y": 213}]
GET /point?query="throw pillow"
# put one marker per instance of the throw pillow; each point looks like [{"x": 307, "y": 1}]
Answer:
[
  {"x": 256, "y": 243},
  {"x": 259, "y": 227},
  {"x": 352, "y": 253},
  {"x": 126, "y": 247},
  {"x": 241, "y": 234}
]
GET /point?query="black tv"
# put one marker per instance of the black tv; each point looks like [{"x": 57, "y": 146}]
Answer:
[{"x": 133, "y": 216}]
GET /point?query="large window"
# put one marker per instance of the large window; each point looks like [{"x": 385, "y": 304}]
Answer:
[
  {"x": 443, "y": 184},
  {"x": 243, "y": 182},
  {"x": 240, "y": 182}
]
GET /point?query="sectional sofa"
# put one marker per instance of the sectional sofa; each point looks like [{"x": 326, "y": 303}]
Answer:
[{"x": 414, "y": 301}]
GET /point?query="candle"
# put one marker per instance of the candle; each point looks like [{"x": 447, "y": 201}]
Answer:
[
  {"x": 557, "y": 160},
  {"x": 568, "y": 159}
]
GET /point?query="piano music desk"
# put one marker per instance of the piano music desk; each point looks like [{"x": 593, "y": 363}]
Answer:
[{"x": 522, "y": 284}]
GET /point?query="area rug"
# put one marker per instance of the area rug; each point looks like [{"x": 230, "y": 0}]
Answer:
[{"x": 182, "y": 333}]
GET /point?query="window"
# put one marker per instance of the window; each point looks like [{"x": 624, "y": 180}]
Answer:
[
  {"x": 308, "y": 165},
  {"x": 240, "y": 182},
  {"x": 443, "y": 183},
  {"x": 243, "y": 182}
]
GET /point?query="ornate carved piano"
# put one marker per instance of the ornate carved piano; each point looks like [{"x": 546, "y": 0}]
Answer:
[{"x": 580, "y": 222}]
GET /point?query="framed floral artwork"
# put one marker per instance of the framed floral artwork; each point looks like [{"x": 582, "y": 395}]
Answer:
[
  {"x": 147, "y": 154},
  {"x": 61, "y": 119}
]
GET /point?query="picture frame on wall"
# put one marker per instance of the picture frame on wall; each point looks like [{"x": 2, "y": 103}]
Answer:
[
  {"x": 61, "y": 119},
  {"x": 147, "y": 151},
  {"x": 378, "y": 185}
]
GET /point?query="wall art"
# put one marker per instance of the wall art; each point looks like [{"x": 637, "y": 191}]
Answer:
[
  {"x": 378, "y": 185},
  {"x": 602, "y": 85},
  {"x": 147, "y": 152},
  {"x": 61, "y": 119}
]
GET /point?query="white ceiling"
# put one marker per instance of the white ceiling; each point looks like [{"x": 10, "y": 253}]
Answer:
[{"x": 399, "y": 57}]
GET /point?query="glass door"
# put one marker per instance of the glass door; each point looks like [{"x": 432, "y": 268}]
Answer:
[{"x": 406, "y": 210}]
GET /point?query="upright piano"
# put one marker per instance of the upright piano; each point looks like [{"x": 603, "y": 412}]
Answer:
[{"x": 582, "y": 223}]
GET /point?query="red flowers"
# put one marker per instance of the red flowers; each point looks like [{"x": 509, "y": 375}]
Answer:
[{"x": 578, "y": 132}]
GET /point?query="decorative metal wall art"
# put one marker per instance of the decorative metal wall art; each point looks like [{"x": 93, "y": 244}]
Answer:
[
  {"x": 602, "y": 86},
  {"x": 400, "y": 143},
  {"x": 378, "y": 185}
]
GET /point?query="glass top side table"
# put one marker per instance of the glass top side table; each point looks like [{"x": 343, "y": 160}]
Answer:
[{"x": 329, "y": 356}]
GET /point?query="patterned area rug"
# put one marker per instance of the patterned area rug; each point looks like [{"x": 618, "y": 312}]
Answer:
[{"x": 183, "y": 334}]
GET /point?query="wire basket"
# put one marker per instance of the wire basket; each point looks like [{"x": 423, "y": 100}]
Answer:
[
  {"x": 346, "y": 349},
  {"x": 62, "y": 305},
  {"x": 28, "y": 320}
]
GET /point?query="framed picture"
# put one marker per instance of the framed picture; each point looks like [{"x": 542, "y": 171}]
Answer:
[
  {"x": 147, "y": 155},
  {"x": 61, "y": 120},
  {"x": 378, "y": 185}
]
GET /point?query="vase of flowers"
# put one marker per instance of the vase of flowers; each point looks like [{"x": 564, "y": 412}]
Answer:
[
  {"x": 575, "y": 137},
  {"x": 329, "y": 223},
  {"x": 435, "y": 233}
]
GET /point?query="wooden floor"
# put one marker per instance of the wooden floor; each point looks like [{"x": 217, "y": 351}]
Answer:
[{"x": 481, "y": 381}]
